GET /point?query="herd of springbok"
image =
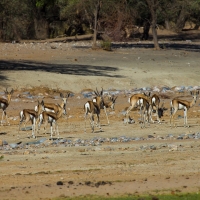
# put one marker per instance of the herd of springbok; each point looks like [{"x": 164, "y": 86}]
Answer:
[{"x": 50, "y": 113}]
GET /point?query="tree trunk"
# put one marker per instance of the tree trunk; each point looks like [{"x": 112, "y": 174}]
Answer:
[
  {"x": 181, "y": 20},
  {"x": 145, "y": 35},
  {"x": 96, "y": 14},
  {"x": 167, "y": 26},
  {"x": 153, "y": 5},
  {"x": 196, "y": 27},
  {"x": 155, "y": 36},
  {"x": 41, "y": 28},
  {"x": 16, "y": 35}
]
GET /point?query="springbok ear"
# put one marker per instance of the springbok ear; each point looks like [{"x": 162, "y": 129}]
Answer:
[
  {"x": 61, "y": 95},
  {"x": 6, "y": 91},
  {"x": 115, "y": 98},
  {"x": 11, "y": 92},
  {"x": 149, "y": 94},
  {"x": 191, "y": 92},
  {"x": 68, "y": 95},
  {"x": 102, "y": 92}
]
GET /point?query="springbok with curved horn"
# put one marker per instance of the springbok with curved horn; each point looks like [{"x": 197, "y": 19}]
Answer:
[
  {"x": 94, "y": 107},
  {"x": 109, "y": 104},
  {"x": 180, "y": 104},
  {"x": 141, "y": 101},
  {"x": 98, "y": 98},
  {"x": 4, "y": 103},
  {"x": 27, "y": 115}
]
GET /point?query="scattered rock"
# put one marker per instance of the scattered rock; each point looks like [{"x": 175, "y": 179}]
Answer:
[
  {"x": 70, "y": 182},
  {"x": 59, "y": 183},
  {"x": 173, "y": 147},
  {"x": 26, "y": 152},
  {"x": 88, "y": 183}
]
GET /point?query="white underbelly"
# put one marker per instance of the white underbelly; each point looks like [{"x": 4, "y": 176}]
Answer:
[
  {"x": 49, "y": 110},
  {"x": 1, "y": 105},
  {"x": 181, "y": 107},
  {"x": 140, "y": 102}
]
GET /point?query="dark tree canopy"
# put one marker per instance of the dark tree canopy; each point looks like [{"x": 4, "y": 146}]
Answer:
[{"x": 116, "y": 20}]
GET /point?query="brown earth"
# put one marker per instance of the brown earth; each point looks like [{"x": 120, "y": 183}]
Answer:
[{"x": 111, "y": 169}]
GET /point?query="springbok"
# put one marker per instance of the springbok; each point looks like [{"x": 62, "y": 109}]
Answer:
[
  {"x": 141, "y": 101},
  {"x": 109, "y": 104},
  {"x": 52, "y": 107},
  {"x": 52, "y": 118},
  {"x": 155, "y": 102},
  {"x": 179, "y": 104},
  {"x": 30, "y": 114},
  {"x": 4, "y": 103},
  {"x": 93, "y": 108}
]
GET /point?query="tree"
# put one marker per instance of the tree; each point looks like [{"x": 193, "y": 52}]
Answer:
[
  {"x": 111, "y": 19},
  {"x": 176, "y": 13},
  {"x": 96, "y": 16},
  {"x": 153, "y": 7},
  {"x": 46, "y": 12},
  {"x": 78, "y": 15},
  {"x": 15, "y": 19},
  {"x": 190, "y": 11},
  {"x": 182, "y": 16}
]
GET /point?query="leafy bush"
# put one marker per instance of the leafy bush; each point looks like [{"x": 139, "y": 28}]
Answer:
[{"x": 106, "y": 45}]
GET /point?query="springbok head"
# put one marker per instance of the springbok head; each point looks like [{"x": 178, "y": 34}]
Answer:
[
  {"x": 113, "y": 101},
  {"x": 40, "y": 107},
  {"x": 64, "y": 98},
  {"x": 194, "y": 93},
  {"x": 99, "y": 98},
  {"x": 8, "y": 94},
  {"x": 99, "y": 94},
  {"x": 161, "y": 110}
]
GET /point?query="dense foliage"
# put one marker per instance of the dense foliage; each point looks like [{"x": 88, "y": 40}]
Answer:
[{"x": 114, "y": 19}]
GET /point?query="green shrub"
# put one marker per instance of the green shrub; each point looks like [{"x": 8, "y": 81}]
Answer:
[{"x": 106, "y": 45}]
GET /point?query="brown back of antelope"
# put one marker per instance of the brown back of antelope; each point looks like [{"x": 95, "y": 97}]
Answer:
[
  {"x": 141, "y": 101},
  {"x": 30, "y": 114},
  {"x": 180, "y": 104},
  {"x": 50, "y": 117}
]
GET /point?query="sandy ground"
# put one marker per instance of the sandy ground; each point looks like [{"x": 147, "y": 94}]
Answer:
[{"x": 109, "y": 169}]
